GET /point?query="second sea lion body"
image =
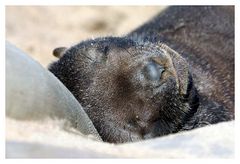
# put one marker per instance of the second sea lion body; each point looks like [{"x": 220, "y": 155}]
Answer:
[{"x": 174, "y": 73}]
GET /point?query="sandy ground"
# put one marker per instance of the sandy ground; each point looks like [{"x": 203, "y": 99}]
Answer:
[
  {"x": 37, "y": 30},
  {"x": 29, "y": 139}
]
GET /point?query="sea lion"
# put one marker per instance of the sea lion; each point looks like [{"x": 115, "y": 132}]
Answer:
[{"x": 174, "y": 73}]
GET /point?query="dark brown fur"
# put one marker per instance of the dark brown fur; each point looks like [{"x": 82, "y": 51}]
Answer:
[
  {"x": 204, "y": 36},
  {"x": 136, "y": 87}
]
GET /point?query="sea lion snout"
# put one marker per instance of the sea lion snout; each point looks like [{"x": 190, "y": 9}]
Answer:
[{"x": 141, "y": 127}]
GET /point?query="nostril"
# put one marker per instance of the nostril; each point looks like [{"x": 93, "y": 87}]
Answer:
[
  {"x": 136, "y": 125},
  {"x": 153, "y": 71},
  {"x": 132, "y": 125}
]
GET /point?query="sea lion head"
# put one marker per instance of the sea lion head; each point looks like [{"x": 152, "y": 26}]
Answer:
[{"x": 130, "y": 90}]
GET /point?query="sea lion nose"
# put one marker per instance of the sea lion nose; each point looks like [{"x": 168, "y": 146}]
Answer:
[
  {"x": 153, "y": 71},
  {"x": 137, "y": 125}
]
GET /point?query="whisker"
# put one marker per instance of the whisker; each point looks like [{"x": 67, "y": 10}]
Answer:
[
  {"x": 127, "y": 51},
  {"x": 87, "y": 57}
]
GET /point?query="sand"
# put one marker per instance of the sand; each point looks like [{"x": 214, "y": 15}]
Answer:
[{"x": 37, "y": 30}]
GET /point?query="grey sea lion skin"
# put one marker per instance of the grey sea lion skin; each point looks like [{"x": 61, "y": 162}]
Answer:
[{"x": 174, "y": 73}]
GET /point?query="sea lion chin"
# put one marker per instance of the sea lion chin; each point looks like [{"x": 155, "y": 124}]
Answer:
[{"x": 130, "y": 90}]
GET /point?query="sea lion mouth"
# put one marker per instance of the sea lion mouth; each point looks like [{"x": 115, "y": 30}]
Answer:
[{"x": 140, "y": 133}]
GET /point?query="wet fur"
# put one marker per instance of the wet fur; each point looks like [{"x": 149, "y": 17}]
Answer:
[{"x": 103, "y": 74}]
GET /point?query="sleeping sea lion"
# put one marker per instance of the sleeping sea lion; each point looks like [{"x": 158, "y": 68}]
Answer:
[{"x": 174, "y": 73}]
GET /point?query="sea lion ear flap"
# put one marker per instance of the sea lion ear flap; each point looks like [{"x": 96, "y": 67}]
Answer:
[
  {"x": 58, "y": 52},
  {"x": 181, "y": 67}
]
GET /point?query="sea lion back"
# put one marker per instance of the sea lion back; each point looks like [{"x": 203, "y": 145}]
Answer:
[{"x": 204, "y": 36}]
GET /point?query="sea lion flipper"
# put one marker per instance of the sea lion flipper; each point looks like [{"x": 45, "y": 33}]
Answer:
[{"x": 58, "y": 52}]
